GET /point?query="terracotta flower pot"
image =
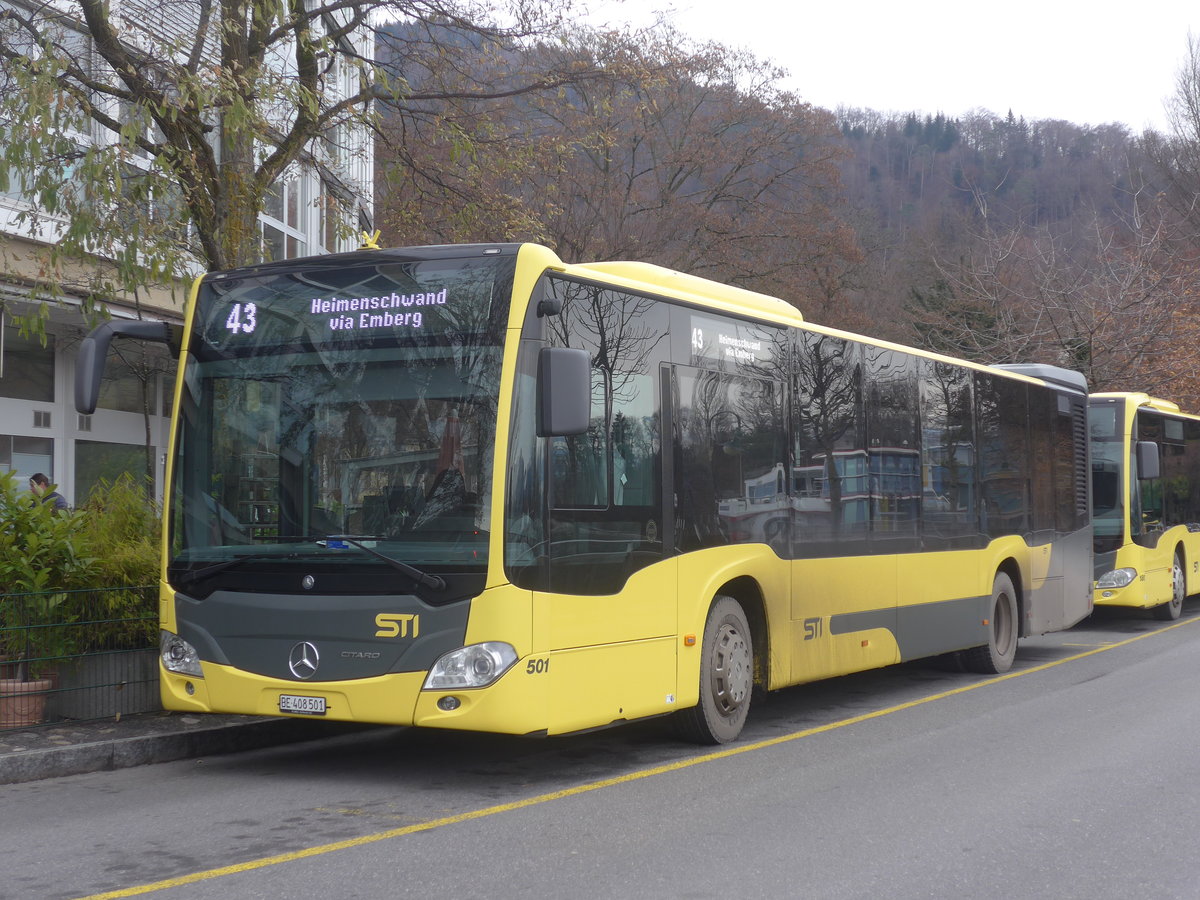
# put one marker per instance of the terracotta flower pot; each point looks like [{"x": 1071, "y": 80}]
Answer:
[{"x": 23, "y": 703}]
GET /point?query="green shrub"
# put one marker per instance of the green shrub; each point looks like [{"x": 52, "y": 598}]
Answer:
[
  {"x": 40, "y": 550},
  {"x": 122, "y": 529},
  {"x": 42, "y": 555},
  {"x": 82, "y": 573}
]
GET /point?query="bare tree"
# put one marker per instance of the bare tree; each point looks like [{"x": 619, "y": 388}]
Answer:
[
  {"x": 1108, "y": 301},
  {"x": 1177, "y": 154},
  {"x": 688, "y": 156},
  {"x": 151, "y": 135}
]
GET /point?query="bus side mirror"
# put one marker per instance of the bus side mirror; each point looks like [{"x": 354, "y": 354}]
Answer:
[
  {"x": 1147, "y": 460},
  {"x": 564, "y": 386},
  {"x": 89, "y": 362}
]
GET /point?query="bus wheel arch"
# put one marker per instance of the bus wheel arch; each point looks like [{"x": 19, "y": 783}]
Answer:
[
  {"x": 730, "y": 649},
  {"x": 1174, "y": 607},
  {"x": 1012, "y": 569},
  {"x": 1004, "y": 626},
  {"x": 748, "y": 594}
]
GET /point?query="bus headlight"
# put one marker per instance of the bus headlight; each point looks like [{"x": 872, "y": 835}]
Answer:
[
  {"x": 1117, "y": 578},
  {"x": 178, "y": 655},
  {"x": 470, "y": 667}
]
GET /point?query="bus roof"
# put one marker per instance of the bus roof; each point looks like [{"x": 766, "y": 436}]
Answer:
[
  {"x": 651, "y": 278},
  {"x": 1057, "y": 375},
  {"x": 680, "y": 284},
  {"x": 1140, "y": 399}
]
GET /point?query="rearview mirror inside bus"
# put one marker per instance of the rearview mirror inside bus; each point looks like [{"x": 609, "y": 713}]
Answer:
[
  {"x": 564, "y": 391},
  {"x": 1147, "y": 460}
]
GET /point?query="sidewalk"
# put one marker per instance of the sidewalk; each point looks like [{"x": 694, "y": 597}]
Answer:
[{"x": 52, "y": 751}]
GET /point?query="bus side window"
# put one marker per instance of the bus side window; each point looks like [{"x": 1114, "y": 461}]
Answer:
[
  {"x": 1002, "y": 412},
  {"x": 729, "y": 486},
  {"x": 605, "y": 497},
  {"x": 829, "y": 449}
]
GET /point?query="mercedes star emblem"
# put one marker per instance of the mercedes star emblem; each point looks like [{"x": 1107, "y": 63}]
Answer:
[{"x": 304, "y": 659}]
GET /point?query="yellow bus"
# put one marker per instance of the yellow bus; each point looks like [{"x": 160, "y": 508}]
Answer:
[
  {"x": 1146, "y": 502},
  {"x": 475, "y": 487}
]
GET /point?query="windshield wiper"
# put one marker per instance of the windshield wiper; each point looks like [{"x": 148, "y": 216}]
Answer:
[
  {"x": 200, "y": 574},
  {"x": 433, "y": 582}
]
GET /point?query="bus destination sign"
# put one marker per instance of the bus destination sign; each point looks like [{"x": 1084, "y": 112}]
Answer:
[{"x": 390, "y": 311}]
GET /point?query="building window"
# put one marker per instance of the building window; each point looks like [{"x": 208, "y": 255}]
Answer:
[
  {"x": 283, "y": 220},
  {"x": 121, "y": 388},
  {"x": 27, "y": 455},
  {"x": 168, "y": 395},
  {"x": 98, "y": 460},
  {"x": 26, "y": 367},
  {"x": 18, "y": 184},
  {"x": 333, "y": 221},
  {"x": 131, "y": 379}
]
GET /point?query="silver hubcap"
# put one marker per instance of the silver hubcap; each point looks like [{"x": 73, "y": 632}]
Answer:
[
  {"x": 1177, "y": 585},
  {"x": 1002, "y": 624},
  {"x": 731, "y": 670}
]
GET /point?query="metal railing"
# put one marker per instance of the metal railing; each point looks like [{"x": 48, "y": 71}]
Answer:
[{"x": 77, "y": 655}]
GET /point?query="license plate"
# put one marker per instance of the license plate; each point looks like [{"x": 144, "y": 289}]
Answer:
[{"x": 305, "y": 706}]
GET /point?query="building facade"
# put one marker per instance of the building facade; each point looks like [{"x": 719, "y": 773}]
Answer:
[{"x": 129, "y": 432}]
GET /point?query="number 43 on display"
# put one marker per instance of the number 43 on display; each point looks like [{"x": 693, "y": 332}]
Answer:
[{"x": 242, "y": 318}]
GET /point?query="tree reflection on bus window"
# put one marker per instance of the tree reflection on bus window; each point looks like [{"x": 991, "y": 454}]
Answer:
[
  {"x": 730, "y": 483},
  {"x": 948, "y": 494},
  {"x": 605, "y": 484},
  {"x": 830, "y": 476}
]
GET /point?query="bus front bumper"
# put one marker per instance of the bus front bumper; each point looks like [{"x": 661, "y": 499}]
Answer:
[
  {"x": 1133, "y": 595},
  {"x": 511, "y": 705}
]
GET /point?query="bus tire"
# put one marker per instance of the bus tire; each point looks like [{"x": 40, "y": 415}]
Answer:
[
  {"x": 1173, "y": 607},
  {"x": 726, "y": 677},
  {"x": 996, "y": 656}
]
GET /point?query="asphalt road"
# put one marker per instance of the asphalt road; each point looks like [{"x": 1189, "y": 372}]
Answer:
[{"x": 1074, "y": 776}]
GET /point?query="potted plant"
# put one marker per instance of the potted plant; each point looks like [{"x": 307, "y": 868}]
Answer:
[{"x": 39, "y": 560}]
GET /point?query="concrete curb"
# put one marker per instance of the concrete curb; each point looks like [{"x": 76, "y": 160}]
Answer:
[{"x": 122, "y": 753}]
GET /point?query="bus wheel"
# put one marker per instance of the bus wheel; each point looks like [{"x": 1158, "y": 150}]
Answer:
[
  {"x": 1173, "y": 607},
  {"x": 996, "y": 656},
  {"x": 726, "y": 677}
]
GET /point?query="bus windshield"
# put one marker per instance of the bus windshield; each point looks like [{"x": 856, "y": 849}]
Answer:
[
  {"x": 1107, "y": 433},
  {"x": 340, "y": 417}
]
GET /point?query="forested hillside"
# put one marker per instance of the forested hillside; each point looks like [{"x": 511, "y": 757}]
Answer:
[
  {"x": 1006, "y": 240},
  {"x": 986, "y": 235}
]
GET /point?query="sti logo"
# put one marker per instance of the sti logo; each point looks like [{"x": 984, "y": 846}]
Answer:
[{"x": 392, "y": 625}]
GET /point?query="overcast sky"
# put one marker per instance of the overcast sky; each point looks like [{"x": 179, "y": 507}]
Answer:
[{"x": 1088, "y": 63}]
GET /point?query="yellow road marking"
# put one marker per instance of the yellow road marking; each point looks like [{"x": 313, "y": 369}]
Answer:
[{"x": 309, "y": 852}]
